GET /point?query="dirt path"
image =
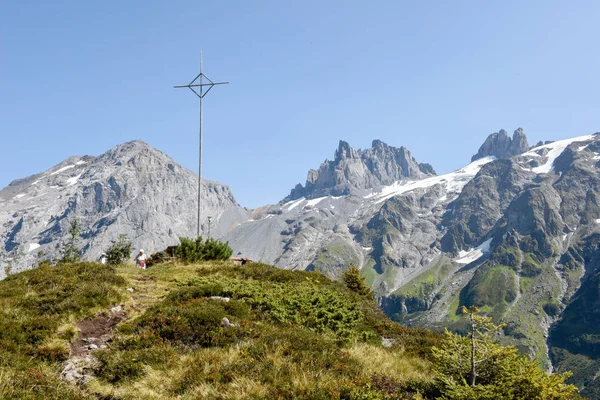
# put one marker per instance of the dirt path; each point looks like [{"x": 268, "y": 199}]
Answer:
[{"x": 96, "y": 333}]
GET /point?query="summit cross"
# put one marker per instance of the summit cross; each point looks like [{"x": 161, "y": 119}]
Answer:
[{"x": 200, "y": 89}]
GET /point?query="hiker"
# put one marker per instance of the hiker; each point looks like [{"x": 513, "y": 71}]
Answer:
[
  {"x": 103, "y": 258},
  {"x": 140, "y": 260}
]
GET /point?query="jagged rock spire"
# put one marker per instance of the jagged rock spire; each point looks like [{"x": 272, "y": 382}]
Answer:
[
  {"x": 361, "y": 169},
  {"x": 500, "y": 145}
]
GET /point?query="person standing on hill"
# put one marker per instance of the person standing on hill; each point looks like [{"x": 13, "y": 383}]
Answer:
[{"x": 140, "y": 260}]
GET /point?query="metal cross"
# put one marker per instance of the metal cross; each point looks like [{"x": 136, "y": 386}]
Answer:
[{"x": 203, "y": 88}]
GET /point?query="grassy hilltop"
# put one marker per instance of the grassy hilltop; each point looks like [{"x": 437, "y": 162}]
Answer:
[{"x": 289, "y": 335}]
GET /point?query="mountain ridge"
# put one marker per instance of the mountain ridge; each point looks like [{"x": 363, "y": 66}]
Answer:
[
  {"x": 507, "y": 233},
  {"x": 360, "y": 169}
]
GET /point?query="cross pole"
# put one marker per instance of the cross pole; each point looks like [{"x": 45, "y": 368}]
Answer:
[{"x": 202, "y": 90}]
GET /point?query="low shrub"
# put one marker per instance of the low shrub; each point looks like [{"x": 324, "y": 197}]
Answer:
[
  {"x": 116, "y": 367},
  {"x": 314, "y": 307},
  {"x": 193, "y": 323}
]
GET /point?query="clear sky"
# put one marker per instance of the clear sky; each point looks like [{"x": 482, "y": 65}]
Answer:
[{"x": 78, "y": 77}]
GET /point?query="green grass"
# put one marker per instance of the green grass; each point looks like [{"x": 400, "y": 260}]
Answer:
[
  {"x": 296, "y": 335},
  {"x": 36, "y": 308},
  {"x": 369, "y": 273},
  {"x": 424, "y": 284},
  {"x": 492, "y": 289}
]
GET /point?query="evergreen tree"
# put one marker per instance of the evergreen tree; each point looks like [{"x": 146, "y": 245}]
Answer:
[
  {"x": 351, "y": 277},
  {"x": 119, "y": 250},
  {"x": 475, "y": 367},
  {"x": 71, "y": 252}
]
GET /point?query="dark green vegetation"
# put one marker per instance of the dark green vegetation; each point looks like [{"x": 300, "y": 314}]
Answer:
[
  {"x": 215, "y": 330},
  {"x": 119, "y": 250},
  {"x": 193, "y": 251},
  {"x": 575, "y": 341},
  {"x": 35, "y": 309}
]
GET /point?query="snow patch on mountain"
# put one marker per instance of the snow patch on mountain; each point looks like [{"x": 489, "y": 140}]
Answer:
[
  {"x": 453, "y": 181},
  {"x": 555, "y": 149},
  {"x": 33, "y": 246},
  {"x": 293, "y": 204},
  {"x": 73, "y": 180},
  {"x": 62, "y": 169},
  {"x": 314, "y": 202},
  {"x": 467, "y": 257}
]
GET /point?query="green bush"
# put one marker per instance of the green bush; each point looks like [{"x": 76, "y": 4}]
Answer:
[
  {"x": 194, "y": 250},
  {"x": 476, "y": 367},
  {"x": 119, "y": 250},
  {"x": 215, "y": 250}
]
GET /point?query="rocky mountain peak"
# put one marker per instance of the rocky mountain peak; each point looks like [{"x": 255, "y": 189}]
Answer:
[
  {"x": 360, "y": 169},
  {"x": 344, "y": 151},
  {"x": 500, "y": 145},
  {"x": 130, "y": 189},
  {"x": 125, "y": 151}
]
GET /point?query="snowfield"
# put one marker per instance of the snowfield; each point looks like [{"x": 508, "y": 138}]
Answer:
[
  {"x": 453, "y": 181},
  {"x": 555, "y": 150},
  {"x": 467, "y": 257}
]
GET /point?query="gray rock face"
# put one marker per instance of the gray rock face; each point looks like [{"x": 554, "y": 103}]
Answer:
[
  {"x": 360, "y": 169},
  {"x": 131, "y": 189},
  {"x": 499, "y": 145}
]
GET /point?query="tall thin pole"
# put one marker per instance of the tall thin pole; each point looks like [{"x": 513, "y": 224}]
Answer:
[
  {"x": 200, "y": 86},
  {"x": 200, "y": 157}
]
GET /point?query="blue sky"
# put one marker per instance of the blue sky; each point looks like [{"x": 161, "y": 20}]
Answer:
[{"x": 435, "y": 76}]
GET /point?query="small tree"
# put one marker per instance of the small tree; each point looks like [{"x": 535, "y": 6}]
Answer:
[
  {"x": 475, "y": 367},
  {"x": 481, "y": 329},
  {"x": 119, "y": 250},
  {"x": 355, "y": 282},
  {"x": 70, "y": 253}
]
